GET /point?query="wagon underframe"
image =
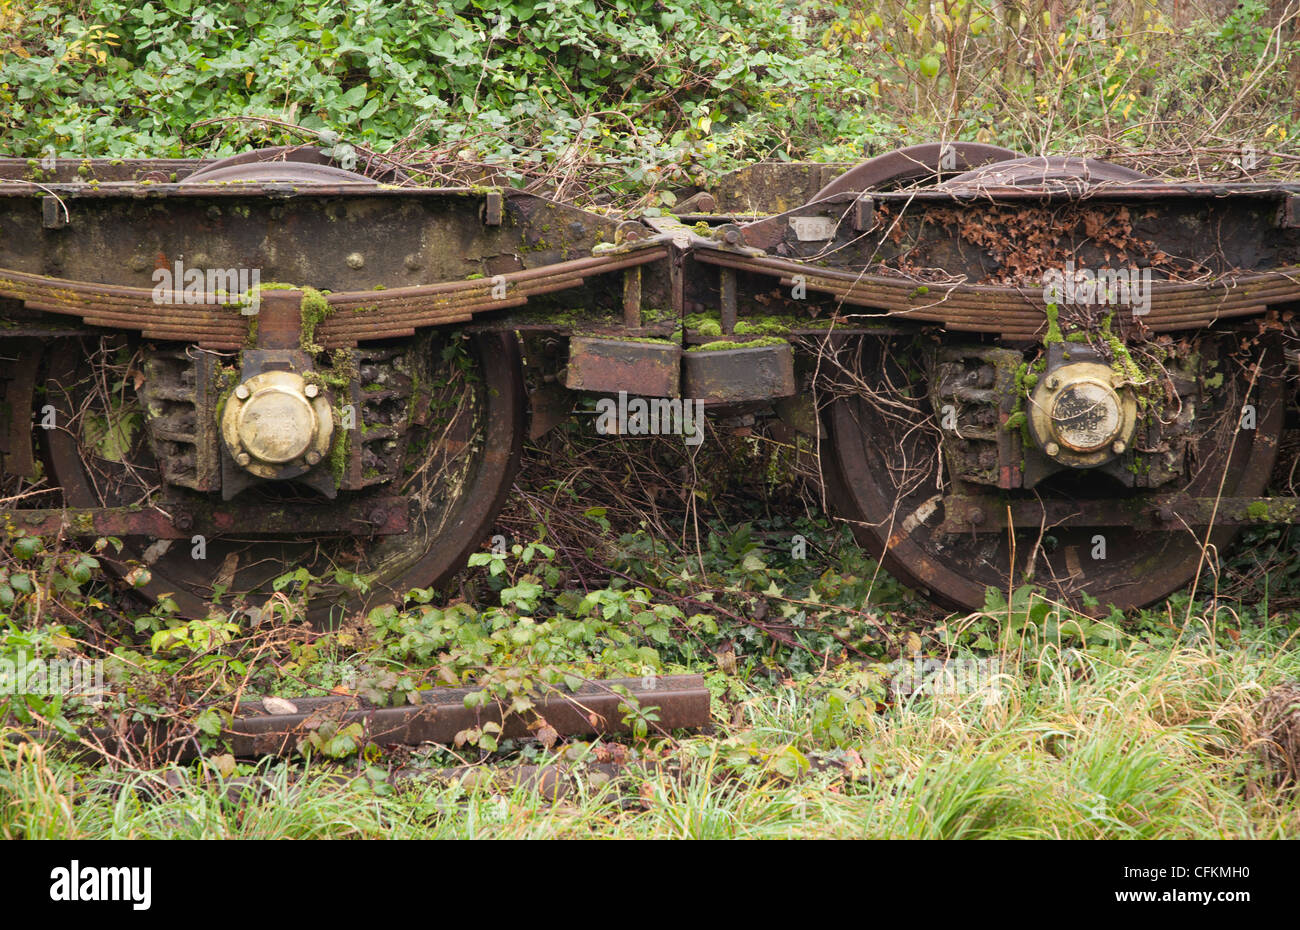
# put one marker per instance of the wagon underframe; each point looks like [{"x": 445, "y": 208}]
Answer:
[{"x": 368, "y": 387}]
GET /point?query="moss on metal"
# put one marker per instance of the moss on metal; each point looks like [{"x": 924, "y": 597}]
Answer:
[
  {"x": 707, "y": 325},
  {"x": 1053, "y": 325},
  {"x": 339, "y": 454},
  {"x": 315, "y": 309},
  {"x": 722, "y": 345}
]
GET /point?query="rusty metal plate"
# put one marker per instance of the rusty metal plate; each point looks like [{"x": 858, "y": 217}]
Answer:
[
  {"x": 548, "y": 406},
  {"x": 650, "y": 369},
  {"x": 1289, "y": 217},
  {"x": 20, "y": 359},
  {"x": 375, "y": 516},
  {"x": 978, "y": 514},
  {"x": 99, "y": 170},
  {"x": 723, "y": 376}
]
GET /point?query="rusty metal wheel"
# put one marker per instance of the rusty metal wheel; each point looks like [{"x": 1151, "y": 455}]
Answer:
[
  {"x": 455, "y": 475},
  {"x": 1041, "y": 171},
  {"x": 916, "y": 164},
  {"x": 884, "y": 475},
  {"x": 292, "y": 163}
]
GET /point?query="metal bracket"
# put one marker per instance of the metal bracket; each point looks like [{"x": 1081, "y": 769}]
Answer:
[
  {"x": 54, "y": 215},
  {"x": 727, "y": 299},
  {"x": 1289, "y": 215},
  {"x": 632, "y": 297},
  {"x": 493, "y": 207},
  {"x": 733, "y": 376},
  {"x": 652, "y": 369},
  {"x": 864, "y": 214}
]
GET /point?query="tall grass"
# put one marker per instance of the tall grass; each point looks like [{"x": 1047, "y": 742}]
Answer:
[{"x": 1156, "y": 742}]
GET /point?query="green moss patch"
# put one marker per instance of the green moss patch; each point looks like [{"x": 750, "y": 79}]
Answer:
[
  {"x": 723, "y": 345},
  {"x": 315, "y": 310}
]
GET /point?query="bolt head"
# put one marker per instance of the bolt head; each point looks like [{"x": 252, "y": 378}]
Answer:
[
  {"x": 243, "y": 458},
  {"x": 1053, "y": 382},
  {"x": 242, "y": 392},
  {"x": 311, "y": 390},
  {"x": 1052, "y": 449},
  {"x": 313, "y": 457},
  {"x": 355, "y": 260},
  {"x": 1118, "y": 446}
]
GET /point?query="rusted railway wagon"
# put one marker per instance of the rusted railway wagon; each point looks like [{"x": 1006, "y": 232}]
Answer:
[{"x": 1013, "y": 369}]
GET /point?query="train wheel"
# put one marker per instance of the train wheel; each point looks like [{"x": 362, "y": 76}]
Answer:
[
  {"x": 455, "y": 475},
  {"x": 916, "y": 164},
  {"x": 886, "y": 475},
  {"x": 1044, "y": 170}
]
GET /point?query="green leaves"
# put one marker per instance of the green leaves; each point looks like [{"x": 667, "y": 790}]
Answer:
[
  {"x": 210, "y": 722},
  {"x": 332, "y": 740},
  {"x": 297, "y": 579},
  {"x": 196, "y": 636},
  {"x": 523, "y": 596},
  {"x": 487, "y": 737},
  {"x": 611, "y": 78},
  {"x": 352, "y": 98},
  {"x": 496, "y": 563},
  {"x": 640, "y": 720},
  {"x": 27, "y": 546}
]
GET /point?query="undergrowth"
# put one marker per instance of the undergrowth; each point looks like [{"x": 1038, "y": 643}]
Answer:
[
  {"x": 627, "y": 101},
  {"x": 834, "y": 709}
]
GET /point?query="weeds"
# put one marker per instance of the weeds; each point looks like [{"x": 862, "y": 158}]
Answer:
[
  {"x": 1138, "y": 733},
  {"x": 631, "y": 100},
  {"x": 1177, "y": 721}
]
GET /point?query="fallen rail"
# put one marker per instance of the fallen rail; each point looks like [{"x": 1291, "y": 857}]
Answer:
[{"x": 597, "y": 708}]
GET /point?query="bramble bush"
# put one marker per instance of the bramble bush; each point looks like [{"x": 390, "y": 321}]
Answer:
[
  {"x": 630, "y": 98},
  {"x": 645, "y": 85}
]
